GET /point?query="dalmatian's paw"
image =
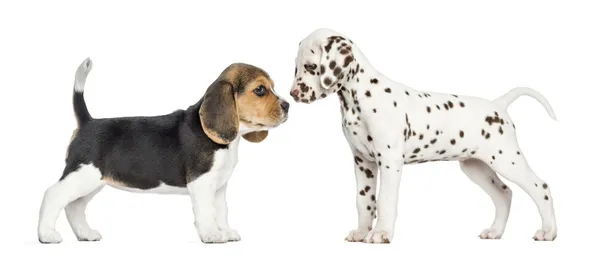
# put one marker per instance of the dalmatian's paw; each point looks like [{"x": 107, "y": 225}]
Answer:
[
  {"x": 545, "y": 235},
  {"x": 211, "y": 235},
  {"x": 378, "y": 237},
  {"x": 491, "y": 233},
  {"x": 231, "y": 234},
  {"x": 357, "y": 235}
]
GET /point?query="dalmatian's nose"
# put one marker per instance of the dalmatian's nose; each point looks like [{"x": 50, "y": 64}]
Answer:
[{"x": 295, "y": 93}]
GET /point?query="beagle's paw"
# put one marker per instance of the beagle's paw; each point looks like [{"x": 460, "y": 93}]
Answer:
[
  {"x": 89, "y": 235},
  {"x": 357, "y": 235},
  {"x": 545, "y": 235},
  {"x": 210, "y": 235},
  {"x": 49, "y": 237},
  {"x": 378, "y": 237},
  {"x": 231, "y": 234}
]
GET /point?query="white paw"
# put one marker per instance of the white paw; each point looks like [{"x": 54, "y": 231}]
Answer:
[
  {"x": 357, "y": 235},
  {"x": 89, "y": 235},
  {"x": 378, "y": 237},
  {"x": 212, "y": 236},
  {"x": 545, "y": 235},
  {"x": 490, "y": 233},
  {"x": 231, "y": 234},
  {"x": 49, "y": 237}
]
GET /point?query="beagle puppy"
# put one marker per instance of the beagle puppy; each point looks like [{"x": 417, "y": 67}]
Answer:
[{"x": 191, "y": 151}]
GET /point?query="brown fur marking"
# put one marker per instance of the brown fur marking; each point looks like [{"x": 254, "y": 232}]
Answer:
[
  {"x": 231, "y": 99},
  {"x": 73, "y": 135},
  {"x": 256, "y": 136},
  {"x": 113, "y": 182}
]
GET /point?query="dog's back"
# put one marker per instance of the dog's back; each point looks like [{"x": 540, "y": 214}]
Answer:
[{"x": 144, "y": 150}]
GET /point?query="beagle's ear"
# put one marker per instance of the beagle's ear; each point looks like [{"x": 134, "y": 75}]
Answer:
[
  {"x": 256, "y": 136},
  {"x": 336, "y": 57},
  {"x": 218, "y": 113}
]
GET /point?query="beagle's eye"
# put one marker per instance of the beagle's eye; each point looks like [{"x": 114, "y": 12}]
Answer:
[{"x": 260, "y": 91}]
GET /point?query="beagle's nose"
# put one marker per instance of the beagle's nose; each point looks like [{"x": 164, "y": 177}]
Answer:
[
  {"x": 285, "y": 106},
  {"x": 295, "y": 93}
]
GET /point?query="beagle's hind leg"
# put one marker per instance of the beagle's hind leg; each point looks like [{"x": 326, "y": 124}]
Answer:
[
  {"x": 72, "y": 185},
  {"x": 76, "y": 216}
]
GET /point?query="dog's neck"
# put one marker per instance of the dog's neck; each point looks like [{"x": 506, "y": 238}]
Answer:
[
  {"x": 361, "y": 78},
  {"x": 244, "y": 129},
  {"x": 248, "y": 127}
]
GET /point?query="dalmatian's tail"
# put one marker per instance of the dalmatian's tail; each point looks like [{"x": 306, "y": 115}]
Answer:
[
  {"x": 505, "y": 100},
  {"x": 81, "y": 112}
]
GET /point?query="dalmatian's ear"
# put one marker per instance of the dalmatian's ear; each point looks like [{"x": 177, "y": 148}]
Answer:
[{"x": 335, "y": 62}]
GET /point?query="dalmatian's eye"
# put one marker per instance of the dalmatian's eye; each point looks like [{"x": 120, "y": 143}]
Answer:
[
  {"x": 260, "y": 91},
  {"x": 310, "y": 67}
]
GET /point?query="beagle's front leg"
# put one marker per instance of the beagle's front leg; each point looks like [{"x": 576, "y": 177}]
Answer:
[
  {"x": 366, "y": 204},
  {"x": 203, "y": 192},
  {"x": 222, "y": 213}
]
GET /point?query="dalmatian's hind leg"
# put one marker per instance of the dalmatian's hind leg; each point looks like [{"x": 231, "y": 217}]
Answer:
[
  {"x": 512, "y": 165},
  {"x": 482, "y": 175}
]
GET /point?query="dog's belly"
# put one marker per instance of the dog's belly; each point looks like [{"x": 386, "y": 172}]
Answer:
[
  {"x": 452, "y": 132},
  {"x": 162, "y": 188},
  {"x": 424, "y": 152}
]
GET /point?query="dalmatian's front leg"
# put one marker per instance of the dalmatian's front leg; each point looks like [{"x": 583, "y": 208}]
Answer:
[
  {"x": 390, "y": 164},
  {"x": 366, "y": 205}
]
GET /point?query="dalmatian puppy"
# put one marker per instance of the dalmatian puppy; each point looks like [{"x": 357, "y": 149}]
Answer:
[{"x": 389, "y": 125}]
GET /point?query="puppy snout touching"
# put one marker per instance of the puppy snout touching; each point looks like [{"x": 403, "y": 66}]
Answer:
[
  {"x": 294, "y": 93},
  {"x": 285, "y": 105}
]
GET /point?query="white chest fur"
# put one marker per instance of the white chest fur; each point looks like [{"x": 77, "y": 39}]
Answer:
[
  {"x": 374, "y": 110},
  {"x": 224, "y": 162},
  {"x": 354, "y": 127}
]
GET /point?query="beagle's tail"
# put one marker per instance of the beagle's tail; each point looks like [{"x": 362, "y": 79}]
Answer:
[
  {"x": 81, "y": 112},
  {"x": 505, "y": 100}
]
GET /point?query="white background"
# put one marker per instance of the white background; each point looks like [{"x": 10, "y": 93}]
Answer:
[{"x": 293, "y": 194}]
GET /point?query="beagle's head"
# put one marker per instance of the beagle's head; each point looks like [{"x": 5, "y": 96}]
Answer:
[
  {"x": 323, "y": 64},
  {"x": 241, "y": 101}
]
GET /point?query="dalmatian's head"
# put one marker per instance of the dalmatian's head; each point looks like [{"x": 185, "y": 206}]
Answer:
[{"x": 323, "y": 64}]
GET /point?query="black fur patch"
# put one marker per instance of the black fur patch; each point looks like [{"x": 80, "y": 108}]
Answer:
[{"x": 142, "y": 152}]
